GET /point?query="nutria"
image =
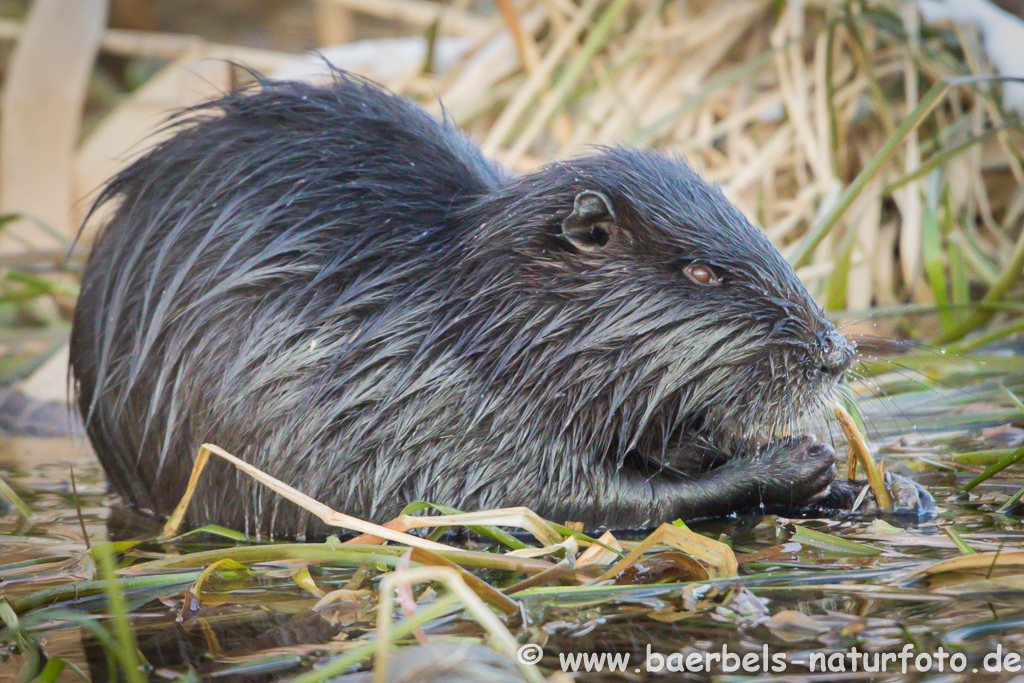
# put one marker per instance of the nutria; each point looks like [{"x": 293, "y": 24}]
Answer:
[{"x": 341, "y": 290}]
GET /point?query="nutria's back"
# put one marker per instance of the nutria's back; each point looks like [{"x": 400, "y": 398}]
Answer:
[{"x": 343, "y": 292}]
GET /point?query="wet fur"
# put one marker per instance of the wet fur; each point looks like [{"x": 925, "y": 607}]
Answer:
[{"x": 342, "y": 291}]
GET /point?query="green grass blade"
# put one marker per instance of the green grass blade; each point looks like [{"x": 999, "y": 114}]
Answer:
[
  {"x": 958, "y": 540},
  {"x": 987, "y": 307},
  {"x": 833, "y": 544},
  {"x": 933, "y": 254},
  {"x": 941, "y": 158},
  {"x": 1002, "y": 464},
  {"x": 8, "y": 494},
  {"x": 1015, "y": 399},
  {"x": 128, "y": 648}
]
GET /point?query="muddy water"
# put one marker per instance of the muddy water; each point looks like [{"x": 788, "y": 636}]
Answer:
[{"x": 40, "y": 470}]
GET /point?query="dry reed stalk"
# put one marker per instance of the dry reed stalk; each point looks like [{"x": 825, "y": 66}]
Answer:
[
  {"x": 420, "y": 13},
  {"x": 538, "y": 80},
  {"x": 909, "y": 198},
  {"x": 859, "y": 452},
  {"x": 526, "y": 48},
  {"x": 867, "y": 215},
  {"x": 318, "y": 509},
  {"x": 168, "y": 46},
  {"x": 716, "y": 558},
  {"x": 476, "y": 86}
]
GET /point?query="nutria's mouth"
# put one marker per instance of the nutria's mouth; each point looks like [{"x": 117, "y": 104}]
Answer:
[{"x": 742, "y": 414}]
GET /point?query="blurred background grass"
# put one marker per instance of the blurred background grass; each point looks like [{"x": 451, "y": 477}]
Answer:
[{"x": 899, "y": 198}]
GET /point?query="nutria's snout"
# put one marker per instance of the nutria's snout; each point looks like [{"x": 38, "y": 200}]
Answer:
[{"x": 836, "y": 352}]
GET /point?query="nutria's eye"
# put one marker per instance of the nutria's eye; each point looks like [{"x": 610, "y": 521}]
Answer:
[{"x": 702, "y": 274}]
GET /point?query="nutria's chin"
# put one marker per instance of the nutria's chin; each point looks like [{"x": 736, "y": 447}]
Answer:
[{"x": 343, "y": 292}]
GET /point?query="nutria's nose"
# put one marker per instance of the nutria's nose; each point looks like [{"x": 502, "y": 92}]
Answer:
[{"x": 836, "y": 352}]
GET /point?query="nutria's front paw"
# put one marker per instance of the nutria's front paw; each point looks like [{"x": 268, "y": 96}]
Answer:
[
  {"x": 796, "y": 471},
  {"x": 909, "y": 499}
]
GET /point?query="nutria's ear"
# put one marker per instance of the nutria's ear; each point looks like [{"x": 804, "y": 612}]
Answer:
[{"x": 592, "y": 223}]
